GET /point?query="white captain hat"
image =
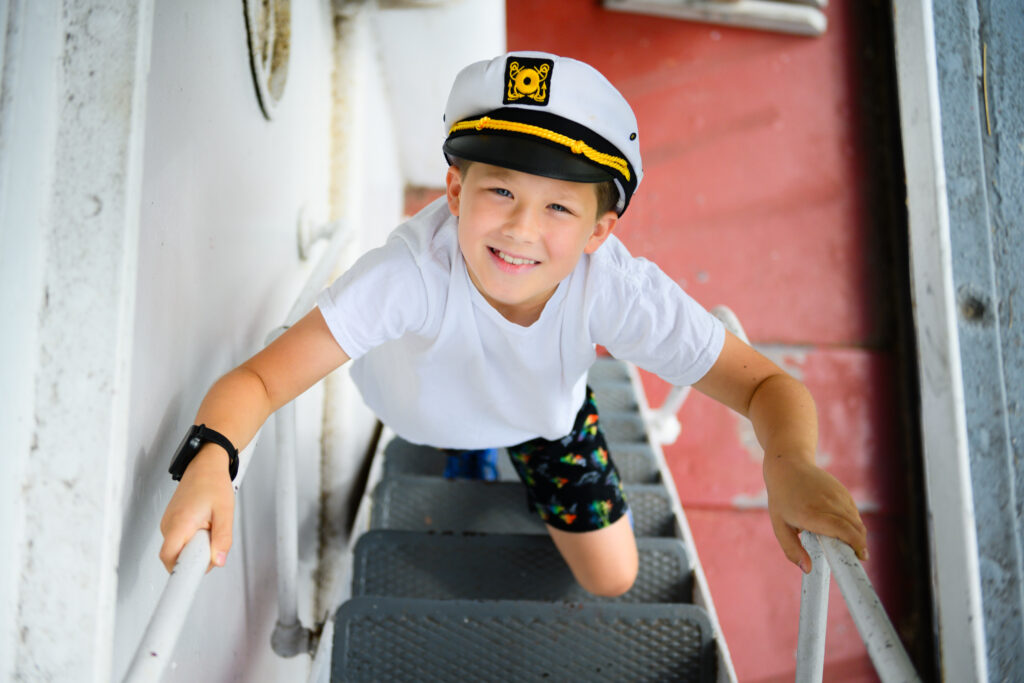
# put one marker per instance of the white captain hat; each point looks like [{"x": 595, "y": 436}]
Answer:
[{"x": 548, "y": 115}]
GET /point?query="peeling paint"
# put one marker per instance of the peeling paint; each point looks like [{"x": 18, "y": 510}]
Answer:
[
  {"x": 747, "y": 439},
  {"x": 792, "y": 359},
  {"x": 757, "y": 501}
]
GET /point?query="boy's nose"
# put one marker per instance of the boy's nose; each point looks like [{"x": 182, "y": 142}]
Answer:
[{"x": 520, "y": 227}]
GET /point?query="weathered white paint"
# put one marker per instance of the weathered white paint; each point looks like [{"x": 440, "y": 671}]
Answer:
[
  {"x": 79, "y": 316},
  {"x": 28, "y": 127},
  {"x": 952, "y": 534},
  {"x": 422, "y": 49}
]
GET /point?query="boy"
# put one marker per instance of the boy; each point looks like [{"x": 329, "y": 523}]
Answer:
[{"x": 475, "y": 325}]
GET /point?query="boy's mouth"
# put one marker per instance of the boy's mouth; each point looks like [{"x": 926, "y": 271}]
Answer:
[{"x": 512, "y": 260}]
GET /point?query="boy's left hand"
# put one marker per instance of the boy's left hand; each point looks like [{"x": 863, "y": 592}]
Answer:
[{"x": 802, "y": 496}]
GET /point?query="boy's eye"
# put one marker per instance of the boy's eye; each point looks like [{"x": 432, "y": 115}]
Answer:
[
  {"x": 501, "y": 191},
  {"x": 559, "y": 208}
]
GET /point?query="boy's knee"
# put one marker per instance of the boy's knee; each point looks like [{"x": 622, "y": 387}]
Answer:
[{"x": 612, "y": 582}]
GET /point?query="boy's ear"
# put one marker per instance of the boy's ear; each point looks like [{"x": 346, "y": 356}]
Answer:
[
  {"x": 602, "y": 229},
  {"x": 453, "y": 186}
]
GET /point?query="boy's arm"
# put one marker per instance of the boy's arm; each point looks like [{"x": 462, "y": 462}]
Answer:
[
  {"x": 236, "y": 405},
  {"x": 800, "y": 494}
]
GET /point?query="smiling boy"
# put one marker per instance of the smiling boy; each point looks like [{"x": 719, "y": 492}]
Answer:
[
  {"x": 522, "y": 234},
  {"x": 474, "y": 326}
]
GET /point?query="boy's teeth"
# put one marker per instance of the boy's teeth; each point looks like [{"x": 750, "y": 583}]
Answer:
[{"x": 513, "y": 260}]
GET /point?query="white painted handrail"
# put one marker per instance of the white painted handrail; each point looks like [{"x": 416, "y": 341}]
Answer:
[
  {"x": 290, "y": 637},
  {"x": 883, "y": 645},
  {"x": 341, "y": 235},
  {"x": 161, "y": 634}
]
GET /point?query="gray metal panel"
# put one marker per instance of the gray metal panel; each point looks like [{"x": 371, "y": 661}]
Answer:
[
  {"x": 503, "y": 567},
  {"x": 430, "y": 504},
  {"x": 382, "y": 639},
  {"x": 635, "y": 461},
  {"x": 978, "y": 46}
]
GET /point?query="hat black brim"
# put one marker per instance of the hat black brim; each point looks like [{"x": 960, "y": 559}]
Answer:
[{"x": 526, "y": 155}]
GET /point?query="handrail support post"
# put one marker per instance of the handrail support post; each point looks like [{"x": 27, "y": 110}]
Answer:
[{"x": 810, "y": 651}]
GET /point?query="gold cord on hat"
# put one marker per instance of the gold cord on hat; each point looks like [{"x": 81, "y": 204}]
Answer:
[{"x": 576, "y": 146}]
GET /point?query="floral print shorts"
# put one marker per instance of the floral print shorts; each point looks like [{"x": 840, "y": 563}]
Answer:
[{"x": 572, "y": 483}]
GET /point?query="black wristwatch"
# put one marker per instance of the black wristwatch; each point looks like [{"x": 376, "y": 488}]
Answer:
[{"x": 194, "y": 439}]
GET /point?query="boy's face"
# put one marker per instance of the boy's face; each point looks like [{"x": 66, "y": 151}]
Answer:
[{"x": 521, "y": 234}]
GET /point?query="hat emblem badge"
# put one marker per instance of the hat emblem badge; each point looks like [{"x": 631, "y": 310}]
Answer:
[{"x": 527, "y": 81}]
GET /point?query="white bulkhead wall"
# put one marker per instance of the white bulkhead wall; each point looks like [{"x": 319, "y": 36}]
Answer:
[
  {"x": 198, "y": 218},
  {"x": 218, "y": 268}
]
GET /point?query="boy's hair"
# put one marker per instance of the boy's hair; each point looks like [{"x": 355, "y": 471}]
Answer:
[{"x": 607, "y": 193}]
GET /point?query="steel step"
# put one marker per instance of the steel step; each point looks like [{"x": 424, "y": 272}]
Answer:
[
  {"x": 614, "y": 395},
  {"x": 503, "y": 567},
  {"x": 457, "y": 580},
  {"x": 398, "y": 639},
  {"x": 635, "y": 461},
  {"x": 416, "y": 503},
  {"x": 606, "y": 369}
]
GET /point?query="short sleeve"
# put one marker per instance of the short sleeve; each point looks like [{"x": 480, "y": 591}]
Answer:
[
  {"x": 380, "y": 298},
  {"x": 641, "y": 315}
]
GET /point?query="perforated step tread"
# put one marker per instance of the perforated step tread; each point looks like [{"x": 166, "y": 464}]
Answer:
[
  {"x": 389, "y": 639},
  {"x": 503, "y": 567},
  {"x": 635, "y": 461},
  {"x": 606, "y": 369},
  {"x": 614, "y": 396},
  {"x": 415, "y": 503}
]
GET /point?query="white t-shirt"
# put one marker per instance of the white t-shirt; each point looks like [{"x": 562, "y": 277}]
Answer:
[{"x": 440, "y": 366}]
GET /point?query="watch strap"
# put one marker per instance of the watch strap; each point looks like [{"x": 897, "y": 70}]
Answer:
[
  {"x": 194, "y": 439},
  {"x": 212, "y": 435}
]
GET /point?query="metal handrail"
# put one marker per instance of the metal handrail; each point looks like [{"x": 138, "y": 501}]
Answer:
[
  {"x": 290, "y": 637},
  {"x": 165, "y": 624},
  {"x": 883, "y": 644}
]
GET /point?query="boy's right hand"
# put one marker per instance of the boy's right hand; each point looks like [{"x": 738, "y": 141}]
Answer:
[{"x": 204, "y": 499}]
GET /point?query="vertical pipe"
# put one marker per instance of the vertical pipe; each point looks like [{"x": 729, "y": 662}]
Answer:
[
  {"x": 290, "y": 637},
  {"x": 287, "y": 516},
  {"x": 810, "y": 649}
]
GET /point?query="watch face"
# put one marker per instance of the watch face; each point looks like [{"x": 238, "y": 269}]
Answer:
[
  {"x": 191, "y": 441},
  {"x": 187, "y": 450}
]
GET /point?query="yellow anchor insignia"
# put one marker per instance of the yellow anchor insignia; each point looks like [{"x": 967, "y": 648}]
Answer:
[{"x": 529, "y": 81}]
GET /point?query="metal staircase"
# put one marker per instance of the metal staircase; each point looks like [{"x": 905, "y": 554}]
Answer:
[{"x": 457, "y": 580}]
